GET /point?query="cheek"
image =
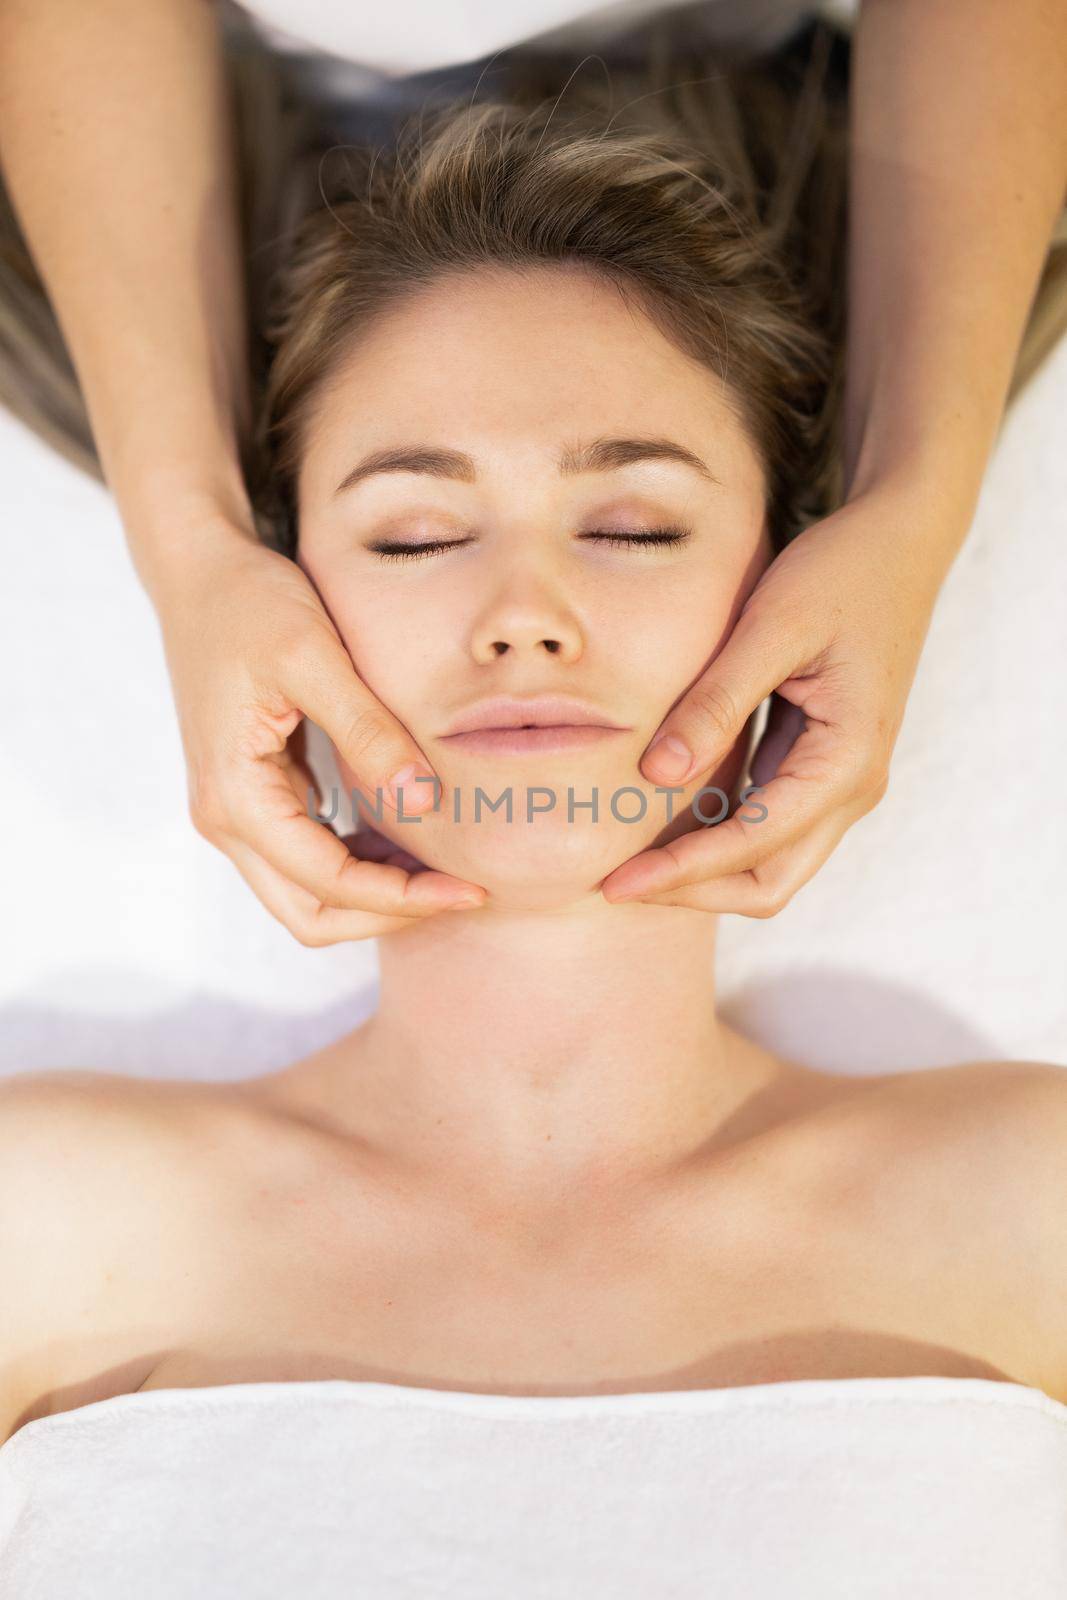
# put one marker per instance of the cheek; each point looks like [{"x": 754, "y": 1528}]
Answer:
[
  {"x": 393, "y": 645},
  {"x": 666, "y": 649},
  {"x": 707, "y": 610},
  {"x": 392, "y": 659}
]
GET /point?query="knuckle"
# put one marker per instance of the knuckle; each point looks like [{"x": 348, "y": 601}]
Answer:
[
  {"x": 868, "y": 770},
  {"x": 205, "y": 804},
  {"x": 716, "y": 705},
  {"x": 290, "y": 647},
  {"x": 362, "y": 732},
  {"x": 308, "y": 933},
  {"x": 200, "y": 823},
  {"x": 769, "y": 900},
  {"x": 345, "y": 885},
  {"x": 874, "y": 778}
]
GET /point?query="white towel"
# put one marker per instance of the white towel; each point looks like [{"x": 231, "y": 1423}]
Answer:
[{"x": 918, "y": 1488}]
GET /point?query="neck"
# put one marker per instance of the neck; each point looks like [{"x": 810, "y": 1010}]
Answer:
[{"x": 536, "y": 1051}]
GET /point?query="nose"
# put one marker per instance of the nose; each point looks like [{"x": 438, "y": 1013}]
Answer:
[{"x": 527, "y": 617}]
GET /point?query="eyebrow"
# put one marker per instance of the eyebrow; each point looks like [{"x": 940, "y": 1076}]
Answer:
[{"x": 600, "y": 455}]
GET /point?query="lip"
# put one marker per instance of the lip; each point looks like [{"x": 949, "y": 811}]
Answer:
[
  {"x": 523, "y": 741},
  {"x": 510, "y": 713}
]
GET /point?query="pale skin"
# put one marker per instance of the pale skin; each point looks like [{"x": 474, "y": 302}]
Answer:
[
  {"x": 960, "y": 116},
  {"x": 545, "y": 1165}
]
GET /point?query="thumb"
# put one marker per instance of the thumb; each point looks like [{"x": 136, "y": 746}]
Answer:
[
  {"x": 712, "y": 714},
  {"x": 368, "y": 738}
]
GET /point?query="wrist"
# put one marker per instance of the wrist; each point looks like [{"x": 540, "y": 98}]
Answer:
[
  {"x": 955, "y": 476},
  {"x": 926, "y": 513},
  {"x": 174, "y": 546},
  {"x": 905, "y": 437}
]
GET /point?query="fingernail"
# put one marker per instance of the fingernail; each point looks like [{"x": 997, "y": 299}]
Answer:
[
  {"x": 417, "y": 797},
  {"x": 673, "y": 756}
]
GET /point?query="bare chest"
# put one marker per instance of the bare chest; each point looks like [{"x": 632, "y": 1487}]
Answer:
[
  {"x": 764, "y": 1272},
  {"x": 734, "y": 1282}
]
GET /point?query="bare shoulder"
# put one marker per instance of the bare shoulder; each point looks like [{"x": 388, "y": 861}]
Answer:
[
  {"x": 87, "y": 1156},
  {"x": 59, "y": 1127},
  {"x": 976, "y": 1107},
  {"x": 974, "y": 1086},
  {"x": 1015, "y": 1112},
  {"x": 1005, "y": 1121},
  {"x": 83, "y": 1158},
  {"x": 54, "y": 1125},
  {"x": 62, "y": 1134},
  {"x": 995, "y": 1133}
]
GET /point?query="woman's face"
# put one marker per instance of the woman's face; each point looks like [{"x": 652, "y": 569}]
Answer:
[{"x": 528, "y": 377}]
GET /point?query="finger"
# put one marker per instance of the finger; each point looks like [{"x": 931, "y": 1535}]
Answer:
[
  {"x": 766, "y": 889},
  {"x": 366, "y": 843},
  {"x": 818, "y": 777},
  {"x": 374, "y": 744},
  {"x": 306, "y": 918},
  {"x": 268, "y": 817},
  {"x": 712, "y": 714}
]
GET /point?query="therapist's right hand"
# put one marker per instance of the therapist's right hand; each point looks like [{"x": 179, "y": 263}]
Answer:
[{"x": 251, "y": 651}]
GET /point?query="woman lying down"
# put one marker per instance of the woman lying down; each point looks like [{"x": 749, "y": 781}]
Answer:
[{"x": 550, "y": 385}]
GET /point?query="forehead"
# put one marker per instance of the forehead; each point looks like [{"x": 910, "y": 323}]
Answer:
[{"x": 527, "y": 357}]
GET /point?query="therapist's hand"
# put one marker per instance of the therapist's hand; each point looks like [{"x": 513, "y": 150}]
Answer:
[
  {"x": 251, "y": 651},
  {"x": 834, "y": 629}
]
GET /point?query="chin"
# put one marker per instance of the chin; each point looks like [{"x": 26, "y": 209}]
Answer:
[
  {"x": 542, "y": 864},
  {"x": 521, "y": 852},
  {"x": 543, "y": 860}
]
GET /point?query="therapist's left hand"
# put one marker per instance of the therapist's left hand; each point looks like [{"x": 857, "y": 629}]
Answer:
[{"x": 833, "y": 630}]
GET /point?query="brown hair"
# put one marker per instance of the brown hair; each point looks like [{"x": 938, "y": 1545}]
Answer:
[{"x": 709, "y": 188}]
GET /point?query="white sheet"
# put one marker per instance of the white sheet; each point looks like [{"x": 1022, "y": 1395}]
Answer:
[
  {"x": 851, "y": 1489},
  {"x": 934, "y": 934}
]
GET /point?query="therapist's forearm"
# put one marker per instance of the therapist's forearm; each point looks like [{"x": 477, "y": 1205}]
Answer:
[
  {"x": 958, "y": 173},
  {"x": 115, "y": 145}
]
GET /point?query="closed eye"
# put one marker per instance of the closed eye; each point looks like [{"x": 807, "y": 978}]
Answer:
[
  {"x": 393, "y": 550},
  {"x": 660, "y": 536}
]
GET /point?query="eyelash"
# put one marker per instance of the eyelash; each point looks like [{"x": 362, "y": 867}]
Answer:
[{"x": 390, "y": 551}]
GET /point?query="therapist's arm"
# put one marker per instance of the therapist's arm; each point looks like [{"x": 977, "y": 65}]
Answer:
[
  {"x": 114, "y": 143},
  {"x": 116, "y": 147},
  {"x": 958, "y": 171}
]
